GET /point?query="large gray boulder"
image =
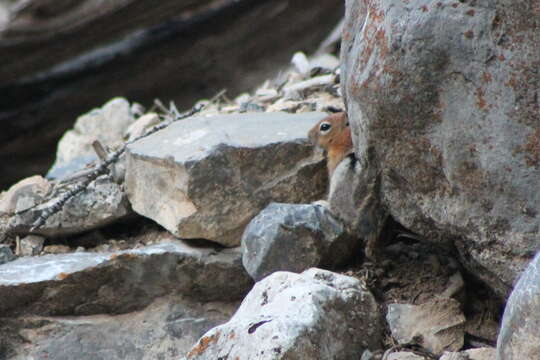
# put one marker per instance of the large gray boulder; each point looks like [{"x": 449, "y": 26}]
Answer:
[
  {"x": 519, "y": 337},
  {"x": 165, "y": 330},
  {"x": 94, "y": 283},
  {"x": 313, "y": 315},
  {"x": 295, "y": 237},
  {"x": 207, "y": 177},
  {"x": 445, "y": 96}
]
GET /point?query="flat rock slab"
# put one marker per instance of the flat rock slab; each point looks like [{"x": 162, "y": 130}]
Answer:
[
  {"x": 437, "y": 325},
  {"x": 96, "y": 283},
  {"x": 519, "y": 337},
  {"x": 314, "y": 315},
  {"x": 295, "y": 237},
  {"x": 165, "y": 329},
  {"x": 207, "y": 177}
]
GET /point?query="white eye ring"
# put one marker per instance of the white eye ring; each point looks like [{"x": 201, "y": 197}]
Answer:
[{"x": 325, "y": 127}]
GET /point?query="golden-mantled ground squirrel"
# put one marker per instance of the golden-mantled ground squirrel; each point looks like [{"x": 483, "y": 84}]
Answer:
[
  {"x": 353, "y": 193},
  {"x": 333, "y": 135}
]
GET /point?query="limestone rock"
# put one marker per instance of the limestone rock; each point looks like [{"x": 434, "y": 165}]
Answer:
[
  {"x": 100, "y": 204},
  {"x": 291, "y": 237},
  {"x": 165, "y": 329},
  {"x": 25, "y": 193},
  {"x": 93, "y": 283},
  {"x": 472, "y": 354},
  {"x": 313, "y": 315},
  {"x": 107, "y": 124},
  {"x": 141, "y": 125},
  {"x": 6, "y": 255},
  {"x": 207, "y": 177},
  {"x": 444, "y": 94},
  {"x": 437, "y": 325},
  {"x": 404, "y": 355},
  {"x": 31, "y": 245},
  {"x": 519, "y": 337}
]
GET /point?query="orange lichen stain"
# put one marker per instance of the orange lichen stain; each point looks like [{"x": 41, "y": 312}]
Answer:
[
  {"x": 469, "y": 34},
  {"x": 424, "y": 8},
  {"x": 486, "y": 77},
  {"x": 501, "y": 57},
  {"x": 480, "y": 101},
  {"x": 513, "y": 82},
  {"x": 532, "y": 147},
  {"x": 455, "y": 5},
  {"x": 232, "y": 335},
  {"x": 204, "y": 344},
  {"x": 470, "y": 12},
  {"x": 62, "y": 276}
]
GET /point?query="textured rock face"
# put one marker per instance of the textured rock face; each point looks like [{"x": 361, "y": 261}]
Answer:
[
  {"x": 519, "y": 337},
  {"x": 166, "y": 329},
  {"x": 291, "y": 237},
  {"x": 100, "y": 204},
  {"x": 437, "y": 326},
  {"x": 207, "y": 177},
  {"x": 446, "y": 96},
  {"x": 313, "y": 315},
  {"x": 107, "y": 124},
  {"x": 95, "y": 283}
]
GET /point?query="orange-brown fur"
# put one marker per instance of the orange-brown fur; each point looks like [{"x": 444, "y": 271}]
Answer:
[{"x": 337, "y": 142}]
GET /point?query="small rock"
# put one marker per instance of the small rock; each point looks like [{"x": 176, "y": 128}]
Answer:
[
  {"x": 101, "y": 203},
  {"x": 437, "y": 325},
  {"x": 24, "y": 194},
  {"x": 207, "y": 177},
  {"x": 291, "y": 237},
  {"x": 313, "y": 315},
  {"x": 141, "y": 125},
  {"x": 301, "y": 62},
  {"x": 519, "y": 337},
  {"x": 6, "y": 255},
  {"x": 472, "y": 354},
  {"x": 107, "y": 124},
  {"x": 405, "y": 355},
  {"x": 56, "y": 249},
  {"x": 31, "y": 245}
]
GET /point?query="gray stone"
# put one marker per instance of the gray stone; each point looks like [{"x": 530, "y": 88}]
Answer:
[
  {"x": 313, "y": 315},
  {"x": 107, "y": 125},
  {"x": 25, "y": 193},
  {"x": 141, "y": 125},
  {"x": 445, "y": 96},
  {"x": 404, "y": 355},
  {"x": 291, "y": 237},
  {"x": 95, "y": 283},
  {"x": 102, "y": 203},
  {"x": 486, "y": 353},
  {"x": 519, "y": 337},
  {"x": 165, "y": 329},
  {"x": 31, "y": 245},
  {"x": 6, "y": 255},
  {"x": 437, "y": 326},
  {"x": 207, "y": 177}
]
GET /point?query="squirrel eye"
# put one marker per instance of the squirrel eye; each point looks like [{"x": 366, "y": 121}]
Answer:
[{"x": 325, "y": 127}]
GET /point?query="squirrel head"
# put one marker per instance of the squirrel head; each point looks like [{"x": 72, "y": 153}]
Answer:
[{"x": 333, "y": 135}]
